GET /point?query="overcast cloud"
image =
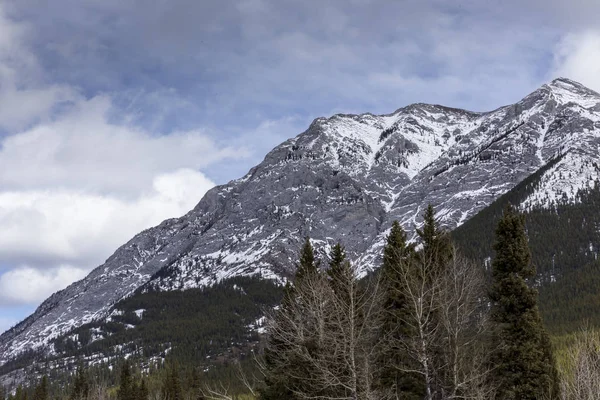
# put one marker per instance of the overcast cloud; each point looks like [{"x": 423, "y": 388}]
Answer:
[{"x": 117, "y": 114}]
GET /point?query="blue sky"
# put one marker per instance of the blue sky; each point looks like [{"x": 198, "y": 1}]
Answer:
[{"x": 117, "y": 114}]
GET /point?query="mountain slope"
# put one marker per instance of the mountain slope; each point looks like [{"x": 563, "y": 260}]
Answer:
[{"x": 345, "y": 178}]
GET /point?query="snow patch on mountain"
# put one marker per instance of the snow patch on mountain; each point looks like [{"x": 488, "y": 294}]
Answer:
[{"x": 561, "y": 183}]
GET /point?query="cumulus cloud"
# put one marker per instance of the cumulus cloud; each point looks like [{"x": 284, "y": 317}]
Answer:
[
  {"x": 75, "y": 188},
  {"x": 83, "y": 150},
  {"x": 79, "y": 176},
  {"x": 42, "y": 228}
]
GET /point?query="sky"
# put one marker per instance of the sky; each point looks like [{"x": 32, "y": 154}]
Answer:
[{"x": 118, "y": 114}]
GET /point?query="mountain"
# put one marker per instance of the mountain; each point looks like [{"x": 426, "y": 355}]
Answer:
[{"x": 345, "y": 178}]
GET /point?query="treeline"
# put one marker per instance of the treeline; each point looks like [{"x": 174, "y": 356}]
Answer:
[
  {"x": 195, "y": 326},
  {"x": 427, "y": 326},
  {"x": 169, "y": 381}
]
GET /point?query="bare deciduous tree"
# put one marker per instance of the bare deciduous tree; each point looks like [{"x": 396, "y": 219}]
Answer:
[
  {"x": 327, "y": 332},
  {"x": 446, "y": 316},
  {"x": 581, "y": 370}
]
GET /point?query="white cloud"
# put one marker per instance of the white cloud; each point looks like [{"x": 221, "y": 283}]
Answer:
[
  {"x": 42, "y": 228},
  {"x": 83, "y": 150},
  {"x": 30, "y": 285},
  {"x": 75, "y": 181},
  {"x": 577, "y": 56}
]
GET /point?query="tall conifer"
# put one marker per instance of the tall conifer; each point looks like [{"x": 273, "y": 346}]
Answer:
[
  {"x": 308, "y": 264},
  {"x": 524, "y": 364},
  {"x": 394, "y": 329},
  {"x": 277, "y": 383},
  {"x": 41, "y": 390},
  {"x": 437, "y": 245},
  {"x": 81, "y": 385}
]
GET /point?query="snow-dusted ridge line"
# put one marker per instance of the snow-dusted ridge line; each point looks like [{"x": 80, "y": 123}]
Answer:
[{"x": 342, "y": 179}]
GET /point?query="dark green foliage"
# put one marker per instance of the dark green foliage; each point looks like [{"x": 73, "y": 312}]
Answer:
[
  {"x": 573, "y": 300},
  {"x": 308, "y": 264},
  {"x": 127, "y": 389},
  {"x": 277, "y": 385},
  {"x": 476, "y": 236},
  {"x": 396, "y": 255},
  {"x": 200, "y": 323},
  {"x": 524, "y": 367},
  {"x": 560, "y": 236},
  {"x": 41, "y": 390},
  {"x": 564, "y": 241},
  {"x": 337, "y": 260},
  {"x": 142, "y": 391},
  {"x": 437, "y": 246},
  {"x": 172, "y": 385},
  {"x": 81, "y": 385},
  {"x": 340, "y": 272}
]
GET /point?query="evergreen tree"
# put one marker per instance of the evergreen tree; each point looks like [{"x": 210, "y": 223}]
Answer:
[
  {"x": 339, "y": 268},
  {"x": 172, "y": 384},
  {"x": 81, "y": 386},
  {"x": 276, "y": 384},
  {"x": 142, "y": 392},
  {"x": 308, "y": 264},
  {"x": 524, "y": 364},
  {"x": 437, "y": 245},
  {"x": 279, "y": 384},
  {"x": 41, "y": 390},
  {"x": 127, "y": 389},
  {"x": 20, "y": 393},
  {"x": 392, "y": 358}
]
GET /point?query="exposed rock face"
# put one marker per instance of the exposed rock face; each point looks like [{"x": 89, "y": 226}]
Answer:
[{"x": 346, "y": 178}]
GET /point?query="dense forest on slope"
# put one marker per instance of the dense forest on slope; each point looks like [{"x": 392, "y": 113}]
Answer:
[
  {"x": 564, "y": 239},
  {"x": 191, "y": 326}
]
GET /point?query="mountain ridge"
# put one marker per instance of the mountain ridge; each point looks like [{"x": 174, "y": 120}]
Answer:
[{"x": 345, "y": 178}]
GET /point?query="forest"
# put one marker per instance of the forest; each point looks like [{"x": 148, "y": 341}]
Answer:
[{"x": 429, "y": 324}]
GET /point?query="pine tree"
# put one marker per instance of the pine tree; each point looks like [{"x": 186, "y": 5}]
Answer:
[
  {"x": 524, "y": 363},
  {"x": 20, "y": 394},
  {"x": 437, "y": 246},
  {"x": 81, "y": 386},
  {"x": 172, "y": 384},
  {"x": 127, "y": 389},
  {"x": 142, "y": 391},
  {"x": 339, "y": 268},
  {"x": 308, "y": 265},
  {"x": 394, "y": 328},
  {"x": 41, "y": 390},
  {"x": 278, "y": 385}
]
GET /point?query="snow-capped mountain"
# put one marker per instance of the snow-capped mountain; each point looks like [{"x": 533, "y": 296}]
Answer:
[{"x": 346, "y": 178}]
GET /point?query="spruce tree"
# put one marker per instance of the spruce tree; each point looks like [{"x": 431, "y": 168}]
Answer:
[
  {"x": 524, "y": 366},
  {"x": 81, "y": 386},
  {"x": 41, "y": 390},
  {"x": 394, "y": 328},
  {"x": 172, "y": 384},
  {"x": 277, "y": 383},
  {"x": 19, "y": 393},
  {"x": 339, "y": 268},
  {"x": 437, "y": 245},
  {"x": 126, "y": 390},
  {"x": 142, "y": 391},
  {"x": 308, "y": 265}
]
